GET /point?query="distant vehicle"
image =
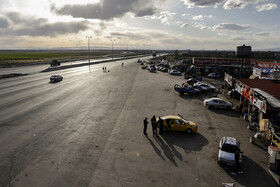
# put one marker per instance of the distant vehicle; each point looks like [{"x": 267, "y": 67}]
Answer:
[
  {"x": 139, "y": 60},
  {"x": 192, "y": 80},
  {"x": 200, "y": 88},
  {"x": 153, "y": 69},
  {"x": 217, "y": 103},
  {"x": 164, "y": 69},
  {"x": 205, "y": 86},
  {"x": 185, "y": 90},
  {"x": 193, "y": 76},
  {"x": 144, "y": 67},
  {"x": 213, "y": 75},
  {"x": 56, "y": 78},
  {"x": 177, "y": 123},
  {"x": 55, "y": 63},
  {"x": 227, "y": 149},
  {"x": 175, "y": 72}
]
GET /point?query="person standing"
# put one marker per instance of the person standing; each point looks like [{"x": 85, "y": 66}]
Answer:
[
  {"x": 145, "y": 126},
  {"x": 160, "y": 125},
  {"x": 154, "y": 125}
]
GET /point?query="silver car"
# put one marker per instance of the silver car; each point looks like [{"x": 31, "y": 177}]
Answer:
[
  {"x": 217, "y": 103},
  {"x": 228, "y": 146}
]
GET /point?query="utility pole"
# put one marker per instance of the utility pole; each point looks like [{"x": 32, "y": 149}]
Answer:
[
  {"x": 89, "y": 37},
  {"x": 113, "y": 48}
]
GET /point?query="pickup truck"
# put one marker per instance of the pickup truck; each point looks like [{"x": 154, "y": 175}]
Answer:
[{"x": 184, "y": 89}]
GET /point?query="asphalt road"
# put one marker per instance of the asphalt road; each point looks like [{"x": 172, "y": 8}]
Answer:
[{"x": 88, "y": 131}]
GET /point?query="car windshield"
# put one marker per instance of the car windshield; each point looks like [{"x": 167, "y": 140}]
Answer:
[{"x": 230, "y": 148}]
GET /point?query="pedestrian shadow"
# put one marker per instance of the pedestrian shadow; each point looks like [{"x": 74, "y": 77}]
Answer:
[
  {"x": 158, "y": 152},
  {"x": 169, "y": 152}
]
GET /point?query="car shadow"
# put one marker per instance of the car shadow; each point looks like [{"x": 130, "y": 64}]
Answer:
[
  {"x": 201, "y": 96},
  {"x": 188, "y": 142},
  {"x": 227, "y": 112},
  {"x": 251, "y": 170}
]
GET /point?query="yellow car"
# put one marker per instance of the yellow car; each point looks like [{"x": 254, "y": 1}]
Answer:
[{"x": 177, "y": 123}]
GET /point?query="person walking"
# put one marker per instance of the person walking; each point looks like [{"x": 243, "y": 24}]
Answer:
[
  {"x": 160, "y": 125},
  {"x": 145, "y": 126},
  {"x": 154, "y": 125},
  {"x": 237, "y": 164},
  {"x": 122, "y": 63}
]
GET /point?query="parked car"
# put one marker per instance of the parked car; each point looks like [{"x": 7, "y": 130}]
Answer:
[
  {"x": 56, "y": 78},
  {"x": 205, "y": 86},
  {"x": 193, "y": 76},
  {"x": 185, "y": 89},
  {"x": 175, "y": 72},
  {"x": 178, "y": 123},
  {"x": 153, "y": 69},
  {"x": 213, "y": 75},
  {"x": 217, "y": 103},
  {"x": 192, "y": 80},
  {"x": 228, "y": 146},
  {"x": 144, "y": 67},
  {"x": 200, "y": 88}
]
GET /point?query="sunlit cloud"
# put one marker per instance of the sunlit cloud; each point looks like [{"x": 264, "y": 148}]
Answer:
[
  {"x": 230, "y": 26},
  {"x": 264, "y": 7}
]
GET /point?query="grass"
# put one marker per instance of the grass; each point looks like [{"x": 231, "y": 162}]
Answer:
[{"x": 18, "y": 58}]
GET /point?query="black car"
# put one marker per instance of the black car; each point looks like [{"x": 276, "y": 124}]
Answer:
[{"x": 56, "y": 78}]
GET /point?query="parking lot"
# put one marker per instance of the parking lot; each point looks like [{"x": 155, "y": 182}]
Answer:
[{"x": 88, "y": 131}]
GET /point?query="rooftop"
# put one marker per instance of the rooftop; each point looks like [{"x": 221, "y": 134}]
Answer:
[{"x": 268, "y": 86}]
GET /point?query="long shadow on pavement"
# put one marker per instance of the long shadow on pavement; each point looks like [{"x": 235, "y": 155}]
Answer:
[
  {"x": 254, "y": 175},
  {"x": 155, "y": 148},
  {"x": 168, "y": 140}
]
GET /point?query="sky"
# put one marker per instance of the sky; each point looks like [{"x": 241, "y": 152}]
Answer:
[{"x": 140, "y": 24}]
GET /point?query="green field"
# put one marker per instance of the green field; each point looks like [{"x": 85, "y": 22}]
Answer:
[{"x": 18, "y": 58}]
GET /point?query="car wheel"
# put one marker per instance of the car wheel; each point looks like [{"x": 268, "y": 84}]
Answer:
[
  {"x": 164, "y": 129},
  {"x": 228, "y": 107},
  {"x": 181, "y": 93},
  {"x": 189, "y": 131},
  {"x": 210, "y": 106}
]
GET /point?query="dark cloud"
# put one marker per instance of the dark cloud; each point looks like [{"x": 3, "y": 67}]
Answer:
[
  {"x": 262, "y": 34},
  {"x": 230, "y": 26},
  {"x": 202, "y": 3},
  {"x": 107, "y": 9},
  {"x": 31, "y": 26},
  {"x": 3, "y": 23}
]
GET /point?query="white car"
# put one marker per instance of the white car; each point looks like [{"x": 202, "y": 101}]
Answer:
[
  {"x": 213, "y": 75},
  {"x": 217, "y": 103},
  {"x": 175, "y": 72},
  {"x": 205, "y": 86},
  {"x": 228, "y": 146}
]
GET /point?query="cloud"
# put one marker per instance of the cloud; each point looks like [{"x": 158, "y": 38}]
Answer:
[
  {"x": 3, "y": 23},
  {"x": 201, "y": 3},
  {"x": 239, "y": 4},
  {"x": 262, "y": 34},
  {"x": 184, "y": 25},
  {"x": 230, "y": 26},
  {"x": 107, "y": 9},
  {"x": 199, "y": 17},
  {"x": 238, "y": 38},
  {"x": 165, "y": 17},
  {"x": 31, "y": 26},
  {"x": 201, "y": 26},
  {"x": 268, "y": 6}
]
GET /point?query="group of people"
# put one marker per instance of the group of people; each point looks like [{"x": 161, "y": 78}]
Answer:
[
  {"x": 154, "y": 123},
  {"x": 104, "y": 69}
]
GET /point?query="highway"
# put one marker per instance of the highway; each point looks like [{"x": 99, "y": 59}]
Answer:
[{"x": 87, "y": 130}]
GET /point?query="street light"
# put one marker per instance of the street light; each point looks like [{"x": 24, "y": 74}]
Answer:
[
  {"x": 113, "y": 48},
  {"x": 89, "y": 37}
]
